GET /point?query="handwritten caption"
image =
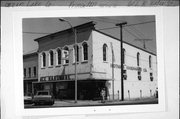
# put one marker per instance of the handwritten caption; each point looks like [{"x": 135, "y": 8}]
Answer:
[{"x": 91, "y": 3}]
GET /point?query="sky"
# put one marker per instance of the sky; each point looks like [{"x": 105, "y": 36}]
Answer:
[{"x": 138, "y": 27}]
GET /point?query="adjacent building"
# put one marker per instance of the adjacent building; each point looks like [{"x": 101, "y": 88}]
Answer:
[
  {"x": 30, "y": 65},
  {"x": 98, "y": 66}
]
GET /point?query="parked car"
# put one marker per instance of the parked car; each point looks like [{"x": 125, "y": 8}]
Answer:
[
  {"x": 28, "y": 99},
  {"x": 43, "y": 97}
]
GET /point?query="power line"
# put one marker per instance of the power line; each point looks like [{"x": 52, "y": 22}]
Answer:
[
  {"x": 131, "y": 33},
  {"x": 108, "y": 28},
  {"x": 127, "y": 25},
  {"x": 139, "y": 33},
  {"x": 98, "y": 20},
  {"x": 116, "y": 20},
  {"x": 134, "y": 32},
  {"x": 140, "y": 23},
  {"x": 36, "y": 33}
]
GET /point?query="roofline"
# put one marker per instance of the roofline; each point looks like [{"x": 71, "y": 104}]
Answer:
[
  {"x": 85, "y": 25},
  {"x": 30, "y": 54},
  {"x": 125, "y": 42}
]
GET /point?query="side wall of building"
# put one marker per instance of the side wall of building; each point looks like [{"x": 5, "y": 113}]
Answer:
[
  {"x": 103, "y": 70},
  {"x": 134, "y": 87},
  {"x": 145, "y": 86}
]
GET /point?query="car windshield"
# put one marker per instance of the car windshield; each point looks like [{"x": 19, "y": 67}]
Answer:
[{"x": 42, "y": 93}]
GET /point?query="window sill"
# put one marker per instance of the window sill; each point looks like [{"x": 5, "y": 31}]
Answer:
[
  {"x": 65, "y": 64},
  {"x": 50, "y": 67},
  {"x": 74, "y": 63},
  {"x": 84, "y": 62},
  {"x": 105, "y": 61},
  {"x": 42, "y": 67},
  {"x": 58, "y": 65}
]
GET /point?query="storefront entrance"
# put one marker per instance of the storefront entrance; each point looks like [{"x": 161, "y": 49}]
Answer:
[{"x": 64, "y": 90}]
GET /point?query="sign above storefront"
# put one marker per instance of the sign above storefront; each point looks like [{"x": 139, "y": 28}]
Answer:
[
  {"x": 128, "y": 67},
  {"x": 55, "y": 78}
]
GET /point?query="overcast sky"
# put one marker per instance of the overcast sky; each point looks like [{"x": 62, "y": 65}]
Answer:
[{"x": 138, "y": 27}]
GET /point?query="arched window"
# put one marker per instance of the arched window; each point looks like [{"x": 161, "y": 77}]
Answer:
[
  {"x": 124, "y": 52},
  {"x": 138, "y": 55},
  {"x": 58, "y": 57},
  {"x": 85, "y": 51},
  {"x": 104, "y": 52},
  {"x": 51, "y": 58},
  {"x": 66, "y": 55},
  {"x": 150, "y": 61},
  {"x": 77, "y": 53},
  {"x": 43, "y": 61}
]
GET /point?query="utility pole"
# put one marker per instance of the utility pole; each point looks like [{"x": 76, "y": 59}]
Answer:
[
  {"x": 121, "y": 53},
  {"x": 75, "y": 48}
]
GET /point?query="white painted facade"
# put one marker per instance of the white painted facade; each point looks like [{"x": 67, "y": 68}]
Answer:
[{"x": 97, "y": 69}]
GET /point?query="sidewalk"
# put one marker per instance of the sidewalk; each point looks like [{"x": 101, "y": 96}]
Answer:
[{"x": 70, "y": 103}]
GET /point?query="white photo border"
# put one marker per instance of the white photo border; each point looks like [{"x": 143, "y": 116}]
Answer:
[{"x": 43, "y": 12}]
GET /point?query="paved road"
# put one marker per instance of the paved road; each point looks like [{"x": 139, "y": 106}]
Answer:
[{"x": 70, "y": 103}]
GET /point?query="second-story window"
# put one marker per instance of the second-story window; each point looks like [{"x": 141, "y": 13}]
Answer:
[
  {"x": 34, "y": 71},
  {"x": 29, "y": 71},
  {"x": 66, "y": 55},
  {"x": 85, "y": 51},
  {"x": 51, "y": 58},
  {"x": 77, "y": 53},
  {"x": 138, "y": 56},
  {"x": 43, "y": 61},
  {"x": 58, "y": 56},
  {"x": 104, "y": 52},
  {"x": 150, "y": 61},
  {"x": 24, "y": 72}
]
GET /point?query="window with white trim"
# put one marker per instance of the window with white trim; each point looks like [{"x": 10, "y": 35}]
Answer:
[
  {"x": 43, "y": 59},
  {"x": 58, "y": 56},
  {"x": 51, "y": 58},
  {"x": 85, "y": 51},
  {"x": 77, "y": 53},
  {"x": 66, "y": 55}
]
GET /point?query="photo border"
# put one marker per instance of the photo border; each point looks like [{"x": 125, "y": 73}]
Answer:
[{"x": 17, "y": 75}]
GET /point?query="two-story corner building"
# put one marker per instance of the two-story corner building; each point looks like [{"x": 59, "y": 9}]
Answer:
[
  {"x": 30, "y": 65},
  {"x": 98, "y": 65}
]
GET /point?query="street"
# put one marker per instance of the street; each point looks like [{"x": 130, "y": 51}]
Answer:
[{"x": 80, "y": 103}]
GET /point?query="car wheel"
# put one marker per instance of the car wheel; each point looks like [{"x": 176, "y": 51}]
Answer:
[{"x": 52, "y": 103}]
